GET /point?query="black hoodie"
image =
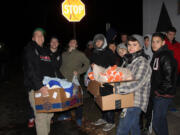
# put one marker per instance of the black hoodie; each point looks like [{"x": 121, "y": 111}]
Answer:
[
  {"x": 102, "y": 56},
  {"x": 37, "y": 64}
]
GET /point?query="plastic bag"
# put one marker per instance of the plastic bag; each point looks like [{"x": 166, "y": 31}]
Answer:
[
  {"x": 75, "y": 80},
  {"x": 86, "y": 78}
]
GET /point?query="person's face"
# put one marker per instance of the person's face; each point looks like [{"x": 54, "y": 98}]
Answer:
[
  {"x": 124, "y": 38},
  {"x": 157, "y": 43},
  {"x": 146, "y": 42},
  {"x": 171, "y": 35},
  {"x": 133, "y": 46},
  {"x": 122, "y": 52},
  {"x": 38, "y": 37},
  {"x": 112, "y": 47},
  {"x": 90, "y": 46},
  {"x": 99, "y": 43},
  {"x": 54, "y": 43},
  {"x": 73, "y": 44}
]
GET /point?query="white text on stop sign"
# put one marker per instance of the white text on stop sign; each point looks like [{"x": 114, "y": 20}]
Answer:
[{"x": 73, "y": 9}]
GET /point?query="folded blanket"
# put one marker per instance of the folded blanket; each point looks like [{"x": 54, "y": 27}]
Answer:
[{"x": 52, "y": 83}]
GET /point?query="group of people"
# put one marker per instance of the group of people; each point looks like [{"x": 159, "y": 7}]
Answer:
[{"x": 152, "y": 59}]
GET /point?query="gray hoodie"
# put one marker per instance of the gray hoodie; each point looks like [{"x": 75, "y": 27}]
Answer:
[
  {"x": 100, "y": 37},
  {"x": 148, "y": 50},
  {"x": 140, "y": 39}
]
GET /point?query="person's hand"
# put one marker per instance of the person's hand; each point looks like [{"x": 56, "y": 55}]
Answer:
[
  {"x": 92, "y": 65},
  {"x": 75, "y": 73},
  {"x": 44, "y": 91}
]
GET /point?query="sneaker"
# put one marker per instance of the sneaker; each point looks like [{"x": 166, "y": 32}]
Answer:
[
  {"x": 31, "y": 123},
  {"x": 63, "y": 117},
  {"x": 99, "y": 122},
  {"x": 108, "y": 127}
]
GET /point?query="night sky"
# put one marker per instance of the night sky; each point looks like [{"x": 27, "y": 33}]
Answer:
[{"x": 19, "y": 18}]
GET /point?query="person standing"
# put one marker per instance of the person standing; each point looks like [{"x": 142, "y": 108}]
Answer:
[
  {"x": 74, "y": 63},
  {"x": 174, "y": 46},
  {"x": 138, "y": 64},
  {"x": 37, "y": 64},
  {"x": 55, "y": 54},
  {"x": 104, "y": 57},
  {"x": 163, "y": 82},
  {"x": 89, "y": 49},
  {"x": 147, "y": 46},
  {"x": 121, "y": 51}
]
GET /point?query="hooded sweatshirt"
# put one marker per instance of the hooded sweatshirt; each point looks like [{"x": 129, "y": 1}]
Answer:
[
  {"x": 148, "y": 50},
  {"x": 102, "y": 56}
]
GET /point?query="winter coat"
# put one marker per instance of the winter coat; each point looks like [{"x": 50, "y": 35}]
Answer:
[
  {"x": 102, "y": 56},
  {"x": 37, "y": 64},
  {"x": 57, "y": 61},
  {"x": 141, "y": 71},
  {"x": 164, "y": 73},
  {"x": 175, "y": 47},
  {"x": 73, "y": 61}
]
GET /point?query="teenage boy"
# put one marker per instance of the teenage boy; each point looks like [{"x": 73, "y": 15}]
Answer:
[
  {"x": 37, "y": 64},
  {"x": 104, "y": 57},
  {"x": 163, "y": 82},
  {"x": 138, "y": 64},
  {"x": 74, "y": 63},
  {"x": 174, "y": 46}
]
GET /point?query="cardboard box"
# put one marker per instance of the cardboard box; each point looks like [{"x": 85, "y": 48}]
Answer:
[
  {"x": 57, "y": 101},
  {"x": 115, "y": 101},
  {"x": 93, "y": 88},
  {"x": 110, "y": 102}
]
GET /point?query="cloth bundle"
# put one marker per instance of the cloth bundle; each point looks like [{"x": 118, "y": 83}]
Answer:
[
  {"x": 111, "y": 74},
  {"x": 53, "y": 83}
]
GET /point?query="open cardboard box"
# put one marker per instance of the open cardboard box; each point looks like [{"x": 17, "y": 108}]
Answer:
[
  {"x": 110, "y": 102},
  {"x": 57, "y": 101}
]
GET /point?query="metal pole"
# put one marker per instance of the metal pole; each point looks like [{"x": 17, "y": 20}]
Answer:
[{"x": 74, "y": 30}]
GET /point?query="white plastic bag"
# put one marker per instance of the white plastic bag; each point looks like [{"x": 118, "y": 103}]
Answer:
[
  {"x": 86, "y": 78},
  {"x": 75, "y": 80}
]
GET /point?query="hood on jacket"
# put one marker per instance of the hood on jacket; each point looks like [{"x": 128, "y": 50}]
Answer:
[
  {"x": 121, "y": 46},
  {"x": 148, "y": 50},
  {"x": 100, "y": 37},
  {"x": 140, "y": 39},
  {"x": 150, "y": 40}
]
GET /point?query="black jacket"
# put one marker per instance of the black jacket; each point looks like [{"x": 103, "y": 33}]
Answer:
[
  {"x": 37, "y": 64},
  {"x": 103, "y": 58},
  {"x": 56, "y": 62},
  {"x": 164, "y": 72}
]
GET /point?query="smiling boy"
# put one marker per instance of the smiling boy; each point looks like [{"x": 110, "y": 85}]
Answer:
[{"x": 163, "y": 82}]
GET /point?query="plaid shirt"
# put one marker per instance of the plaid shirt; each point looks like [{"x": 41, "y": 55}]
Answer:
[{"x": 141, "y": 86}]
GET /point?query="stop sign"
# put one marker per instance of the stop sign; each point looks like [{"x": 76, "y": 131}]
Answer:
[{"x": 73, "y": 10}]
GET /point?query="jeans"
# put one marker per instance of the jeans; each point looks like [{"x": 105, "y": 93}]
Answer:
[
  {"x": 108, "y": 116},
  {"x": 160, "y": 108},
  {"x": 130, "y": 122}
]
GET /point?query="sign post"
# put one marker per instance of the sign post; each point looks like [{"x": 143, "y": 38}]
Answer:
[{"x": 73, "y": 11}]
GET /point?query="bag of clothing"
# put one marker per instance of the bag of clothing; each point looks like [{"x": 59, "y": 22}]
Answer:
[{"x": 111, "y": 74}]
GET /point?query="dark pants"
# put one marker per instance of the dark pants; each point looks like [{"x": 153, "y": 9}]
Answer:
[
  {"x": 147, "y": 115},
  {"x": 78, "y": 112},
  {"x": 108, "y": 116},
  {"x": 160, "y": 108},
  {"x": 178, "y": 80}
]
